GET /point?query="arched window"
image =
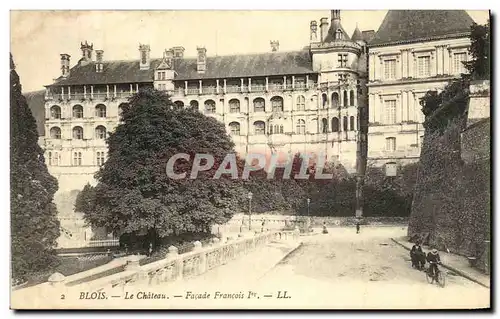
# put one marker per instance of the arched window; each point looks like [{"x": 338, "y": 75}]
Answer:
[
  {"x": 277, "y": 104},
  {"x": 235, "y": 128},
  {"x": 357, "y": 123},
  {"x": 259, "y": 105},
  {"x": 281, "y": 129},
  {"x": 338, "y": 34},
  {"x": 301, "y": 103},
  {"x": 335, "y": 100},
  {"x": 234, "y": 106},
  {"x": 100, "y": 132},
  {"x": 276, "y": 129},
  {"x": 270, "y": 130},
  {"x": 121, "y": 108},
  {"x": 209, "y": 106},
  {"x": 351, "y": 97},
  {"x": 351, "y": 123},
  {"x": 345, "y": 98},
  {"x": 193, "y": 105},
  {"x": 301, "y": 127},
  {"x": 324, "y": 99},
  {"x": 344, "y": 124},
  {"x": 259, "y": 128},
  {"x": 55, "y": 112},
  {"x": 178, "y": 105},
  {"x": 78, "y": 132},
  {"x": 324, "y": 125},
  {"x": 78, "y": 111},
  {"x": 335, "y": 124},
  {"x": 100, "y": 110},
  {"x": 55, "y": 133}
]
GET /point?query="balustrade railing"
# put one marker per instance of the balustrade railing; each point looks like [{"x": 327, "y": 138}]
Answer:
[
  {"x": 233, "y": 89},
  {"x": 176, "y": 266},
  {"x": 193, "y": 91}
]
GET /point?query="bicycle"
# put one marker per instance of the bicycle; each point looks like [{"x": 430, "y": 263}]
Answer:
[{"x": 439, "y": 276}]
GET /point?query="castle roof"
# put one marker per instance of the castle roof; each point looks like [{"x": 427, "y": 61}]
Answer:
[
  {"x": 357, "y": 36},
  {"x": 406, "y": 26},
  {"x": 230, "y": 66},
  {"x": 336, "y": 25}
]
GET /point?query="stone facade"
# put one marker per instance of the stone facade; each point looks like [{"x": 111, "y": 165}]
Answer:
[{"x": 401, "y": 71}]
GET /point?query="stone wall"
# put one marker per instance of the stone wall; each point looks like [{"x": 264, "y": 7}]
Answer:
[{"x": 451, "y": 204}]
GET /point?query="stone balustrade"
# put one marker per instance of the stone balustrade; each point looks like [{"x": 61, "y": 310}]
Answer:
[{"x": 177, "y": 266}]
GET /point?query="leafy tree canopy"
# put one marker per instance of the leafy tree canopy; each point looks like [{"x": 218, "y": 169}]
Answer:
[{"x": 134, "y": 194}]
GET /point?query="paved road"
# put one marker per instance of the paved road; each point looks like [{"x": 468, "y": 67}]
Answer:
[{"x": 348, "y": 270}]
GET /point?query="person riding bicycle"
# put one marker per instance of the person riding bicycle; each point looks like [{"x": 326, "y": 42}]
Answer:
[
  {"x": 434, "y": 259},
  {"x": 417, "y": 256}
]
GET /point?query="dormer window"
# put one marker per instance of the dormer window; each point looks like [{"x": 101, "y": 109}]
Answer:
[
  {"x": 144, "y": 57},
  {"x": 161, "y": 75},
  {"x": 338, "y": 34}
]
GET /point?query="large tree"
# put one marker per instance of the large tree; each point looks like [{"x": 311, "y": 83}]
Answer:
[
  {"x": 34, "y": 223},
  {"x": 135, "y": 196}
]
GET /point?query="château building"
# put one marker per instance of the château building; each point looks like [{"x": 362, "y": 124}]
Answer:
[
  {"x": 304, "y": 101},
  {"x": 336, "y": 91},
  {"x": 413, "y": 51}
]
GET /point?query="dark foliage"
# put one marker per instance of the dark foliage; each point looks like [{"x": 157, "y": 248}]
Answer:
[
  {"x": 34, "y": 223},
  {"x": 135, "y": 196}
]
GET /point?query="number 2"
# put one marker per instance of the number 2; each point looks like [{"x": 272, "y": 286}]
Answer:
[{"x": 63, "y": 297}]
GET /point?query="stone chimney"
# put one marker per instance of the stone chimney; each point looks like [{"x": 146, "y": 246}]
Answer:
[
  {"x": 87, "y": 50},
  {"x": 99, "y": 59},
  {"x": 335, "y": 15},
  {"x": 314, "y": 31},
  {"x": 178, "y": 52},
  {"x": 65, "y": 65},
  {"x": 275, "y": 46},
  {"x": 323, "y": 28},
  {"x": 145, "y": 61},
  {"x": 202, "y": 60}
]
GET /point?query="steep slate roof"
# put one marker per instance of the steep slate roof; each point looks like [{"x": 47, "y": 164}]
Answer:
[
  {"x": 262, "y": 64},
  {"x": 36, "y": 103},
  {"x": 416, "y": 25},
  {"x": 330, "y": 37},
  {"x": 357, "y": 35}
]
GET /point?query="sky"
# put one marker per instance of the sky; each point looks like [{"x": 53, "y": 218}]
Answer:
[{"x": 39, "y": 37}]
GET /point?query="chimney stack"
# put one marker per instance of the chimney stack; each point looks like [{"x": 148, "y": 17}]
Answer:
[
  {"x": 202, "y": 60},
  {"x": 99, "y": 57},
  {"x": 275, "y": 46},
  {"x": 65, "y": 65},
  {"x": 178, "y": 52},
  {"x": 335, "y": 15},
  {"x": 87, "y": 50},
  {"x": 323, "y": 28},
  {"x": 145, "y": 61},
  {"x": 314, "y": 31}
]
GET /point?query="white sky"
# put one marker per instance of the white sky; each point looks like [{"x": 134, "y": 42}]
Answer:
[{"x": 38, "y": 37}]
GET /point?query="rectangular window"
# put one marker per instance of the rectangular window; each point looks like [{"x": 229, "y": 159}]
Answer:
[
  {"x": 77, "y": 158},
  {"x": 390, "y": 111},
  {"x": 390, "y": 69},
  {"x": 458, "y": 65},
  {"x": 100, "y": 158},
  {"x": 342, "y": 60},
  {"x": 424, "y": 66},
  {"x": 390, "y": 144}
]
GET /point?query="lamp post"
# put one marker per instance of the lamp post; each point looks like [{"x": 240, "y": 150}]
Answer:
[
  {"x": 308, "y": 216},
  {"x": 250, "y": 195}
]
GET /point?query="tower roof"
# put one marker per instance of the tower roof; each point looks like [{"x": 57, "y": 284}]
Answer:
[
  {"x": 404, "y": 26},
  {"x": 336, "y": 25},
  {"x": 357, "y": 36}
]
